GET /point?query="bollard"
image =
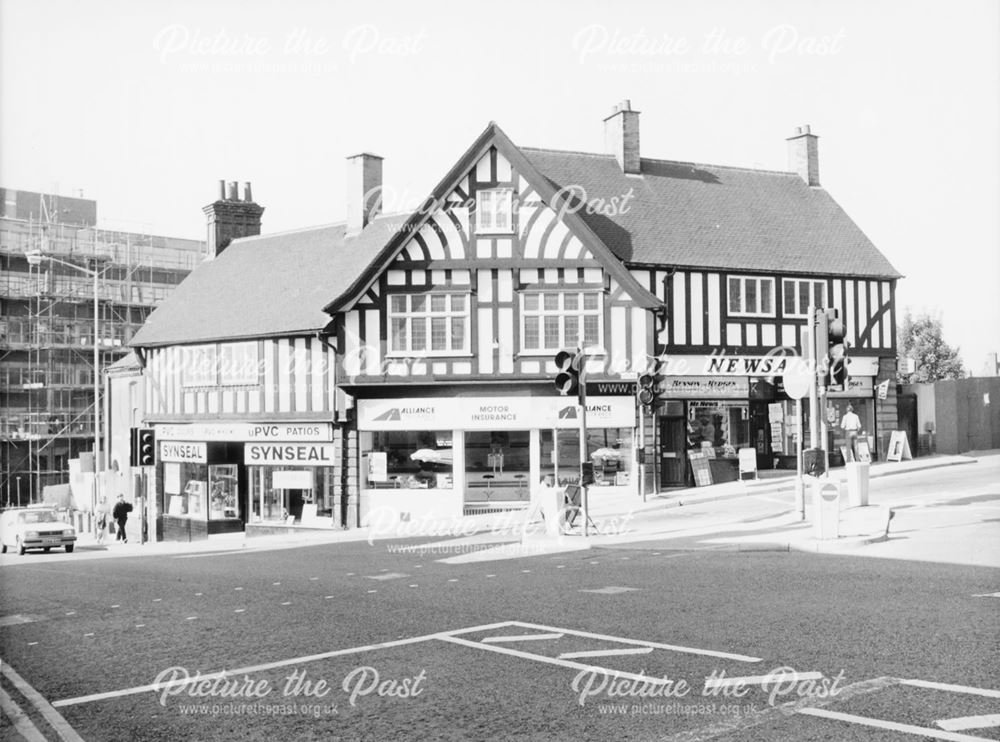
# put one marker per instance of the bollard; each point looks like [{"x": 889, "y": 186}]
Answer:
[
  {"x": 857, "y": 483},
  {"x": 826, "y": 508}
]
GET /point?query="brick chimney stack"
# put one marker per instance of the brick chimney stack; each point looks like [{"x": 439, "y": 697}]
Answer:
[
  {"x": 230, "y": 218},
  {"x": 803, "y": 155},
  {"x": 364, "y": 190},
  {"x": 621, "y": 137}
]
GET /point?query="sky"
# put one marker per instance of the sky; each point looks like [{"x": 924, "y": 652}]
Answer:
[{"x": 145, "y": 106}]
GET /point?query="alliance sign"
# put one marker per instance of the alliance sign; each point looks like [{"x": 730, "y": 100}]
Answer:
[{"x": 492, "y": 413}]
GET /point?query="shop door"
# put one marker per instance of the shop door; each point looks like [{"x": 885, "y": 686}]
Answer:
[
  {"x": 673, "y": 462},
  {"x": 760, "y": 434}
]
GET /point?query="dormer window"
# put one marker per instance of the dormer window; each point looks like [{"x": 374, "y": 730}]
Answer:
[{"x": 493, "y": 210}]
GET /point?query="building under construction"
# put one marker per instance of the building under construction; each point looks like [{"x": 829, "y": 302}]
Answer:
[{"x": 50, "y": 248}]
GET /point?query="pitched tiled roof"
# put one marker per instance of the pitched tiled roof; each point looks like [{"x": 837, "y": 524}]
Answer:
[
  {"x": 705, "y": 216},
  {"x": 269, "y": 285}
]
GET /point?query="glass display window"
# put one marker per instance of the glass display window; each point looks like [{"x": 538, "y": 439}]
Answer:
[
  {"x": 185, "y": 490},
  {"x": 222, "y": 491},
  {"x": 413, "y": 459}
]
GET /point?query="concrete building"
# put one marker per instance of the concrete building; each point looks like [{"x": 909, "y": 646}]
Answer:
[{"x": 47, "y": 413}]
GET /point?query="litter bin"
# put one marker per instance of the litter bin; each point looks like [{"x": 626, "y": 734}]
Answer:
[{"x": 857, "y": 483}]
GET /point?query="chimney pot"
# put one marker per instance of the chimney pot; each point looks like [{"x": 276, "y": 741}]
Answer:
[
  {"x": 233, "y": 194},
  {"x": 222, "y": 190},
  {"x": 247, "y": 195}
]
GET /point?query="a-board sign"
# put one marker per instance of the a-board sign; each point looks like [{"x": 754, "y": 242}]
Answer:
[
  {"x": 571, "y": 498},
  {"x": 864, "y": 453},
  {"x": 899, "y": 447},
  {"x": 700, "y": 468},
  {"x": 748, "y": 462}
]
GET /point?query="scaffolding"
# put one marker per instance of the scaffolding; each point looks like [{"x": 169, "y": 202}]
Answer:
[{"x": 47, "y": 413}]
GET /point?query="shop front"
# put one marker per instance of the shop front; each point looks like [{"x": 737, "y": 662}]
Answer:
[
  {"x": 717, "y": 406},
  {"x": 223, "y": 477},
  {"x": 441, "y": 457}
]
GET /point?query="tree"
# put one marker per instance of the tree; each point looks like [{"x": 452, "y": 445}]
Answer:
[{"x": 920, "y": 338}]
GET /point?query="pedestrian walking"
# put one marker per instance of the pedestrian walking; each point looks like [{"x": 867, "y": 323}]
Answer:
[
  {"x": 103, "y": 512},
  {"x": 120, "y": 514}
]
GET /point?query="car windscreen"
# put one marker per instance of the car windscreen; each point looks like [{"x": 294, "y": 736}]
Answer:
[{"x": 43, "y": 516}]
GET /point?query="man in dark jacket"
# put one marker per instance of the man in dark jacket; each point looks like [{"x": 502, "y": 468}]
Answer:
[{"x": 120, "y": 514}]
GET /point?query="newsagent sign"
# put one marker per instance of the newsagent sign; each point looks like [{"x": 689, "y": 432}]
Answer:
[{"x": 493, "y": 413}]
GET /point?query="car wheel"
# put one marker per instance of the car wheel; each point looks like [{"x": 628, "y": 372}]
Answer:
[
  {"x": 69, "y": 548},
  {"x": 20, "y": 547}
]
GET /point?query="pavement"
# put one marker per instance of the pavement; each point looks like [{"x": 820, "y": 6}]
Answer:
[{"x": 710, "y": 514}]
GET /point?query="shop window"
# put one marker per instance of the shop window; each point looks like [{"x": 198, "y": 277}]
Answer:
[
  {"x": 553, "y": 320},
  {"x": 429, "y": 324},
  {"x": 751, "y": 296},
  {"x": 278, "y": 493},
  {"x": 412, "y": 460},
  {"x": 799, "y": 295},
  {"x": 610, "y": 450},
  {"x": 493, "y": 210}
]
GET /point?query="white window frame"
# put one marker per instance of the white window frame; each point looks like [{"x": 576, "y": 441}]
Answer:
[
  {"x": 563, "y": 342},
  {"x": 489, "y": 203},
  {"x": 795, "y": 286},
  {"x": 239, "y": 364},
  {"x": 427, "y": 315},
  {"x": 200, "y": 366},
  {"x": 743, "y": 310}
]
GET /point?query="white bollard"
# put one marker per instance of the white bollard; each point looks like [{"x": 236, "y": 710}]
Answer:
[
  {"x": 826, "y": 508},
  {"x": 857, "y": 483}
]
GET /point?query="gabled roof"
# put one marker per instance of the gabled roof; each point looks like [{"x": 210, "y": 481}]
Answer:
[
  {"x": 264, "y": 286},
  {"x": 705, "y": 216},
  {"x": 493, "y": 136}
]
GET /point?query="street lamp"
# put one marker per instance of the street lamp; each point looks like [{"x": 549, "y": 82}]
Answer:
[{"x": 35, "y": 257}]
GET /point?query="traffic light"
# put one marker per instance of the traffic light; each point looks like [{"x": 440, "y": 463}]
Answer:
[
  {"x": 836, "y": 351},
  {"x": 143, "y": 447},
  {"x": 649, "y": 390},
  {"x": 568, "y": 367},
  {"x": 821, "y": 333}
]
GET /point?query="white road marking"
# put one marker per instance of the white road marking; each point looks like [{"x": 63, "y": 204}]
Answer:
[
  {"x": 953, "y": 688},
  {"x": 388, "y": 576},
  {"x": 31, "y": 644},
  {"x": 640, "y": 643},
  {"x": 239, "y": 610},
  {"x": 330, "y": 597},
  {"x": 453, "y": 579},
  {"x": 552, "y": 660},
  {"x": 191, "y": 618},
  {"x": 606, "y": 652},
  {"x": 53, "y": 717},
  {"x": 70, "y": 613},
  {"x": 20, "y": 719},
  {"x": 313, "y": 578},
  {"x": 775, "y": 677},
  {"x": 891, "y": 725},
  {"x": 521, "y": 638},
  {"x": 140, "y": 625},
  {"x": 987, "y": 595},
  {"x": 90, "y": 634},
  {"x": 116, "y": 605},
  {"x": 287, "y": 602},
  {"x": 271, "y": 665},
  {"x": 969, "y": 722},
  {"x": 157, "y": 600},
  {"x": 235, "y": 588},
  {"x": 609, "y": 590}
]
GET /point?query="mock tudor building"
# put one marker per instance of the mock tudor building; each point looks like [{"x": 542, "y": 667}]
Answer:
[{"x": 403, "y": 365}]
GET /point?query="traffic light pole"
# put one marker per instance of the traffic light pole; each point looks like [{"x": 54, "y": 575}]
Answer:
[{"x": 583, "y": 443}]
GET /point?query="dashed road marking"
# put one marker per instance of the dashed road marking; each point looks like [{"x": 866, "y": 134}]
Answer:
[
  {"x": 609, "y": 590},
  {"x": 388, "y": 576},
  {"x": 891, "y": 725},
  {"x": 239, "y": 610},
  {"x": 191, "y": 618},
  {"x": 987, "y": 595},
  {"x": 287, "y": 602}
]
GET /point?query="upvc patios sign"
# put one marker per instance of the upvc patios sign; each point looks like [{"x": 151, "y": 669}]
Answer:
[
  {"x": 265, "y": 431},
  {"x": 493, "y": 413}
]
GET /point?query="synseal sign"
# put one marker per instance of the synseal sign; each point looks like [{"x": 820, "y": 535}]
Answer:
[{"x": 492, "y": 413}]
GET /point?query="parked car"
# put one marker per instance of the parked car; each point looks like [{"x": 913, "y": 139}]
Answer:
[{"x": 35, "y": 528}]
